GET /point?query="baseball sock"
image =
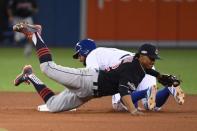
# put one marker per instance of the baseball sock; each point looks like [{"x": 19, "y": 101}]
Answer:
[
  {"x": 162, "y": 96},
  {"x": 42, "y": 89},
  {"x": 138, "y": 95},
  {"x": 42, "y": 50}
]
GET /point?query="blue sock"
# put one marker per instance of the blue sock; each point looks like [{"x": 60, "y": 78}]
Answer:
[
  {"x": 162, "y": 96},
  {"x": 138, "y": 95}
]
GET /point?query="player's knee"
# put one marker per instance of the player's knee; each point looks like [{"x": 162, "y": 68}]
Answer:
[
  {"x": 54, "y": 106},
  {"x": 47, "y": 67},
  {"x": 44, "y": 67}
]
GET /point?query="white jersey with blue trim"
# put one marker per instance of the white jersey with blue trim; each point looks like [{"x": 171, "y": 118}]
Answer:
[{"x": 102, "y": 58}]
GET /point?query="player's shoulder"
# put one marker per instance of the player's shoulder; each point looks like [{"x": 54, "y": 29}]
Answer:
[
  {"x": 98, "y": 50},
  {"x": 101, "y": 49},
  {"x": 131, "y": 64},
  {"x": 107, "y": 49},
  {"x": 95, "y": 53}
]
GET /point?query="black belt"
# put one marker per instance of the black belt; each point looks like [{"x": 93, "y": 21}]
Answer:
[
  {"x": 95, "y": 83},
  {"x": 95, "y": 91}
]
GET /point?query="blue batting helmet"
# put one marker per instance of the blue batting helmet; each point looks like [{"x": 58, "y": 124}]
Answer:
[{"x": 84, "y": 47}]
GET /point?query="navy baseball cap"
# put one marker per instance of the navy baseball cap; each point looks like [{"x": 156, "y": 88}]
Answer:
[{"x": 149, "y": 50}]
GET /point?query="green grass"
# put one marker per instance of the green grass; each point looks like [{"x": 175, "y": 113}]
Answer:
[{"x": 180, "y": 62}]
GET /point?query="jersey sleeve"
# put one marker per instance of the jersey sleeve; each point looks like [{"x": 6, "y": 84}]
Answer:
[
  {"x": 152, "y": 72},
  {"x": 126, "y": 87}
]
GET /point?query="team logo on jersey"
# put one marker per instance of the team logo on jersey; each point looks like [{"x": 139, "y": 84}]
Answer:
[{"x": 131, "y": 86}]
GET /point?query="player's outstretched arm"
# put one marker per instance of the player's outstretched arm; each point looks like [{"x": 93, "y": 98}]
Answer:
[{"x": 168, "y": 80}]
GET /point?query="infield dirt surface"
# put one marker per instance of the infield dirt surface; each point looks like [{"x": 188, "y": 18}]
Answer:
[{"x": 18, "y": 113}]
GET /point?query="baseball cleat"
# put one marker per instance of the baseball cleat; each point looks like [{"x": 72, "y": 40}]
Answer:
[
  {"x": 151, "y": 96},
  {"x": 23, "y": 77},
  {"x": 157, "y": 109},
  {"x": 178, "y": 94},
  {"x": 27, "y": 29},
  {"x": 44, "y": 108}
]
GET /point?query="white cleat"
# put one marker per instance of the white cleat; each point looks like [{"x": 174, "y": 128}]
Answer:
[
  {"x": 44, "y": 108},
  {"x": 178, "y": 94},
  {"x": 151, "y": 96}
]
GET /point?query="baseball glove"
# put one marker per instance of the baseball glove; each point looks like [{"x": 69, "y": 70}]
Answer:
[{"x": 169, "y": 80}]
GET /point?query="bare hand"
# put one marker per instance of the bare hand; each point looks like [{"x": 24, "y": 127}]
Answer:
[{"x": 137, "y": 113}]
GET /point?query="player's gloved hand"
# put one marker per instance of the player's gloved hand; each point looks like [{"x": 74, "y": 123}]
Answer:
[
  {"x": 136, "y": 112},
  {"x": 169, "y": 80}
]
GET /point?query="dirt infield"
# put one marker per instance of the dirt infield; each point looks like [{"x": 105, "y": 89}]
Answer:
[{"x": 18, "y": 113}]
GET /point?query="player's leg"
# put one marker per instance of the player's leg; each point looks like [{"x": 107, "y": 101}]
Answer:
[
  {"x": 149, "y": 94},
  {"x": 65, "y": 100},
  {"x": 161, "y": 98},
  {"x": 149, "y": 84},
  {"x": 28, "y": 76},
  {"x": 138, "y": 95},
  {"x": 74, "y": 79},
  {"x": 70, "y": 77},
  {"x": 163, "y": 94}
]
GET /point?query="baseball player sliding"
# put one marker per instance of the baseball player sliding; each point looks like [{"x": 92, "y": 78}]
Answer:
[
  {"x": 102, "y": 58},
  {"x": 86, "y": 83}
]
